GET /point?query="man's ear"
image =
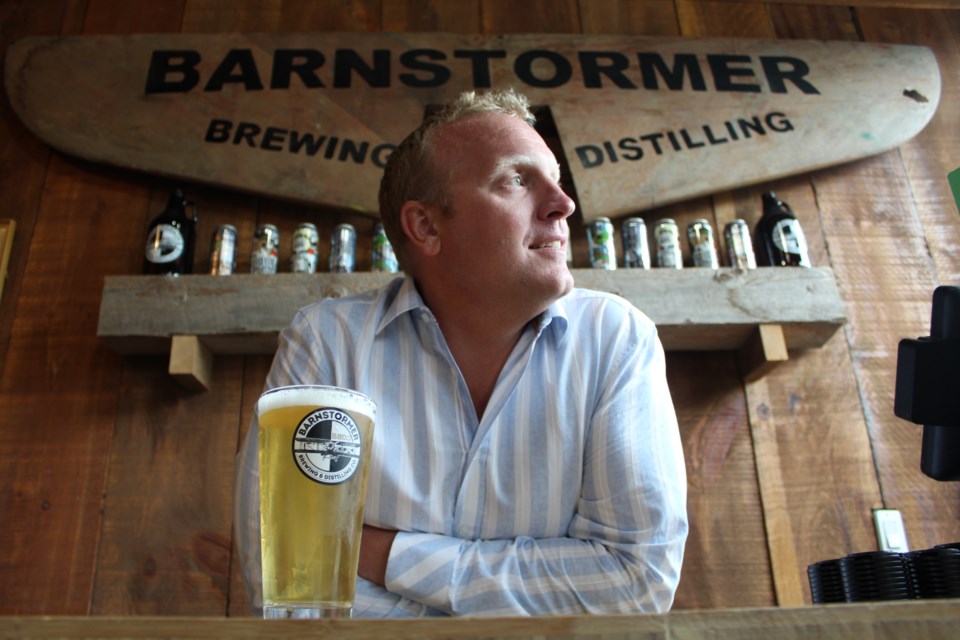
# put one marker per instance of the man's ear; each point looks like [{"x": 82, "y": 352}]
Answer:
[{"x": 419, "y": 225}]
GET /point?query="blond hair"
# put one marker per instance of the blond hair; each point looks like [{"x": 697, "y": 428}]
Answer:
[{"x": 411, "y": 172}]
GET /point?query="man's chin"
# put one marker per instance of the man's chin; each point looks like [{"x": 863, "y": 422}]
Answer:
[{"x": 564, "y": 285}]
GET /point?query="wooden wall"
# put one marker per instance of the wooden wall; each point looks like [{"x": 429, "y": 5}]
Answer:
[{"x": 117, "y": 485}]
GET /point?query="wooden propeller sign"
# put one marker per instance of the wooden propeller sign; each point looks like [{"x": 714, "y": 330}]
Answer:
[{"x": 643, "y": 122}]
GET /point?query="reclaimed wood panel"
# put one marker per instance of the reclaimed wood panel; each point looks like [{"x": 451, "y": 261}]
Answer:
[
  {"x": 58, "y": 395},
  {"x": 725, "y": 562},
  {"x": 532, "y": 16},
  {"x": 896, "y": 214},
  {"x": 451, "y": 16},
  {"x": 651, "y": 18},
  {"x": 77, "y": 421},
  {"x": 166, "y": 537},
  {"x": 812, "y": 503},
  {"x": 706, "y": 19},
  {"x": 224, "y": 16},
  {"x": 23, "y": 157},
  {"x": 929, "y": 159},
  {"x": 87, "y": 220}
]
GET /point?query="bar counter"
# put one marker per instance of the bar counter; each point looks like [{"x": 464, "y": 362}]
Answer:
[{"x": 928, "y": 619}]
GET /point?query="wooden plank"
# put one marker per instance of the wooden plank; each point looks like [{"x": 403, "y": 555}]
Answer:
[
  {"x": 833, "y": 22},
  {"x": 534, "y": 16},
  {"x": 49, "y": 535},
  {"x": 456, "y": 16},
  {"x": 58, "y": 391},
  {"x": 766, "y": 119},
  {"x": 652, "y": 18},
  {"x": 339, "y": 15},
  {"x": 896, "y": 232},
  {"x": 117, "y": 249},
  {"x": 815, "y": 506},
  {"x": 694, "y": 309},
  {"x": 781, "y": 536},
  {"x": 846, "y": 622},
  {"x": 928, "y": 161},
  {"x": 24, "y": 157},
  {"x": 912, "y": 4},
  {"x": 213, "y": 16},
  {"x": 936, "y": 620},
  {"x": 165, "y": 543},
  {"x": 58, "y": 394},
  {"x": 725, "y": 563}
]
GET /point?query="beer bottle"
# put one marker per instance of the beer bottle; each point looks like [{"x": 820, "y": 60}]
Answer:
[
  {"x": 779, "y": 238},
  {"x": 170, "y": 240}
]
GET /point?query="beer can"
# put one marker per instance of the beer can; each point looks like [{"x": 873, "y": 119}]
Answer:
[
  {"x": 383, "y": 257},
  {"x": 603, "y": 253},
  {"x": 343, "y": 248},
  {"x": 636, "y": 250},
  {"x": 266, "y": 249},
  {"x": 739, "y": 246},
  {"x": 305, "y": 241},
  {"x": 703, "y": 248},
  {"x": 667, "y": 236},
  {"x": 223, "y": 250}
]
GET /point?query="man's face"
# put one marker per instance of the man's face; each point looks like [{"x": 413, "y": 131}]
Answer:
[{"x": 506, "y": 233}]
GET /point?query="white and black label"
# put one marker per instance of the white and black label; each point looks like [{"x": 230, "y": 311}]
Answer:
[
  {"x": 164, "y": 244},
  {"x": 327, "y": 446},
  {"x": 789, "y": 238}
]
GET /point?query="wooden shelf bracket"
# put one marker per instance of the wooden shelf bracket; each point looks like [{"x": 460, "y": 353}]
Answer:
[
  {"x": 764, "y": 350},
  {"x": 191, "y": 363}
]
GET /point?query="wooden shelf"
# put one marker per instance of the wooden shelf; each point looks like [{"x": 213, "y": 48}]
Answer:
[
  {"x": 694, "y": 309},
  {"x": 936, "y": 619}
]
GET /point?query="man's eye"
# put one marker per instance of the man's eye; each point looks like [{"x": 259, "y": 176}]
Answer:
[{"x": 517, "y": 180}]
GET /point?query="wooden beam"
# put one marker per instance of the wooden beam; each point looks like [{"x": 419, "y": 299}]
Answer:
[
  {"x": 694, "y": 309},
  {"x": 935, "y": 619}
]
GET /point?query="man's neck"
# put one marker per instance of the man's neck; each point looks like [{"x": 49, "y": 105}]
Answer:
[{"x": 481, "y": 338}]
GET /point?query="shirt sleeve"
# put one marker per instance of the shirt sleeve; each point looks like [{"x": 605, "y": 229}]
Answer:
[{"x": 625, "y": 543}]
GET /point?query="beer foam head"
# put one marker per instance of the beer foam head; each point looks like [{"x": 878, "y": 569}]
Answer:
[{"x": 318, "y": 396}]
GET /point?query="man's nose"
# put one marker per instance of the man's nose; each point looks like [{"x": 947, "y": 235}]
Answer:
[{"x": 557, "y": 203}]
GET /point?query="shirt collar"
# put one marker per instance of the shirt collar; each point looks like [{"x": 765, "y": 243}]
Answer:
[
  {"x": 407, "y": 298},
  {"x": 555, "y": 316}
]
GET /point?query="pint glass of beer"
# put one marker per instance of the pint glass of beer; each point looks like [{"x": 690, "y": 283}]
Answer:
[{"x": 314, "y": 457}]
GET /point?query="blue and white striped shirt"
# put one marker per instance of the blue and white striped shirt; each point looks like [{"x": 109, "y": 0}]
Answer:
[{"x": 567, "y": 496}]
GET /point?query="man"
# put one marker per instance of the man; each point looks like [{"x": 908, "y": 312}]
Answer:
[{"x": 526, "y": 457}]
